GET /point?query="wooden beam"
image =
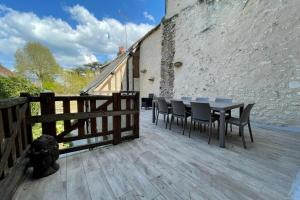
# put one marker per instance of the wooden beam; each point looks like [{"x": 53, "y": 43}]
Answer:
[
  {"x": 85, "y": 115},
  {"x": 28, "y": 116},
  {"x": 87, "y": 146},
  {"x": 10, "y": 102},
  {"x": 99, "y": 134}
]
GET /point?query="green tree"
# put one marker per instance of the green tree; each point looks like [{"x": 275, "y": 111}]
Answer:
[
  {"x": 77, "y": 79},
  {"x": 38, "y": 60},
  {"x": 13, "y": 86}
]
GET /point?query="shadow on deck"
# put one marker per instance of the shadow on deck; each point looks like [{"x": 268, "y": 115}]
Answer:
[{"x": 164, "y": 164}]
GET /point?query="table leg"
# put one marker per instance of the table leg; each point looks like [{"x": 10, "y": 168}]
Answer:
[
  {"x": 222, "y": 129},
  {"x": 241, "y": 111},
  {"x": 153, "y": 112}
]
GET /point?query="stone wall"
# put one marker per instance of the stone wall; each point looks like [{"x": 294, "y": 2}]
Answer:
[
  {"x": 247, "y": 50},
  {"x": 167, "y": 57}
]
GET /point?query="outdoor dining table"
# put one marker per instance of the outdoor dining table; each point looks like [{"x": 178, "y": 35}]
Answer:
[{"x": 221, "y": 107}]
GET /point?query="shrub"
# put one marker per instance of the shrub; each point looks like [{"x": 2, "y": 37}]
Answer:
[{"x": 13, "y": 86}]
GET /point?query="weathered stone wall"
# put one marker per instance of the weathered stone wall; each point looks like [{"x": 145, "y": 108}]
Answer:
[
  {"x": 167, "y": 57},
  {"x": 150, "y": 61},
  {"x": 248, "y": 50}
]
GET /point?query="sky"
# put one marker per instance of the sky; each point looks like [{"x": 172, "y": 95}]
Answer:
[{"x": 76, "y": 31}]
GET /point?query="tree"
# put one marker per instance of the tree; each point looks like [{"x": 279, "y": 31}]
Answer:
[
  {"x": 36, "y": 59},
  {"x": 13, "y": 86},
  {"x": 77, "y": 79}
]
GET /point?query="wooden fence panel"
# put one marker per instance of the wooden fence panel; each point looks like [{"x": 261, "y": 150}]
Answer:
[
  {"x": 14, "y": 144},
  {"x": 85, "y": 120}
]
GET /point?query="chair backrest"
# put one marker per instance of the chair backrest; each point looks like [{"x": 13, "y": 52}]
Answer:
[
  {"x": 162, "y": 105},
  {"x": 201, "y": 111},
  {"x": 223, "y": 100},
  {"x": 246, "y": 113},
  {"x": 186, "y": 98},
  {"x": 151, "y": 96},
  {"x": 202, "y": 99},
  {"x": 178, "y": 108}
]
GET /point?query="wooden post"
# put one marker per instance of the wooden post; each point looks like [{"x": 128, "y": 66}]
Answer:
[
  {"x": 128, "y": 117},
  {"x": 80, "y": 109},
  {"x": 2, "y": 140},
  {"x": 28, "y": 116},
  {"x": 136, "y": 117},
  {"x": 93, "y": 120},
  {"x": 66, "y": 109},
  {"x": 117, "y": 119},
  {"x": 48, "y": 107}
]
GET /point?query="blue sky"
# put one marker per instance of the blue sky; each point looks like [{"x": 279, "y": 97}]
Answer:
[{"x": 76, "y": 31}]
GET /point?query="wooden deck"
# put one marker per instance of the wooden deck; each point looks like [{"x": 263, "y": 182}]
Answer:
[{"x": 164, "y": 164}]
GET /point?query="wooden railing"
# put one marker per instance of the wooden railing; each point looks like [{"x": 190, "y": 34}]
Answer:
[
  {"x": 15, "y": 140},
  {"x": 96, "y": 120},
  {"x": 106, "y": 118}
]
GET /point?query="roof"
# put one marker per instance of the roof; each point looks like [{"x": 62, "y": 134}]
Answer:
[
  {"x": 5, "y": 72},
  {"x": 110, "y": 67}
]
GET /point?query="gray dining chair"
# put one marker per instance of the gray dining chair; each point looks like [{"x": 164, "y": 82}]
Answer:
[
  {"x": 228, "y": 113},
  {"x": 164, "y": 109},
  {"x": 242, "y": 122},
  {"x": 179, "y": 111},
  {"x": 201, "y": 113},
  {"x": 202, "y": 99},
  {"x": 186, "y": 98}
]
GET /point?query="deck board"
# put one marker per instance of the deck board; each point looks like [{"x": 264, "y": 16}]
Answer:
[{"x": 164, "y": 164}]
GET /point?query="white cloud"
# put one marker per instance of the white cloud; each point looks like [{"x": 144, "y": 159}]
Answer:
[
  {"x": 71, "y": 46},
  {"x": 148, "y": 16}
]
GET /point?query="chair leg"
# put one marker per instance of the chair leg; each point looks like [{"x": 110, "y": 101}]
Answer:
[
  {"x": 226, "y": 127},
  {"x": 164, "y": 118},
  {"x": 194, "y": 125},
  {"x": 209, "y": 134},
  {"x": 191, "y": 127},
  {"x": 172, "y": 118},
  {"x": 184, "y": 124},
  {"x": 167, "y": 121},
  {"x": 181, "y": 121},
  {"x": 243, "y": 138},
  {"x": 157, "y": 118},
  {"x": 230, "y": 127},
  {"x": 218, "y": 135},
  {"x": 250, "y": 131}
]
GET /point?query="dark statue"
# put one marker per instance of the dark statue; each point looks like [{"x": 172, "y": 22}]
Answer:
[{"x": 43, "y": 155}]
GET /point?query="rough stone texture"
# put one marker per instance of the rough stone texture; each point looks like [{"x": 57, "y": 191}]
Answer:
[
  {"x": 167, "y": 57},
  {"x": 150, "y": 60},
  {"x": 248, "y": 50}
]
